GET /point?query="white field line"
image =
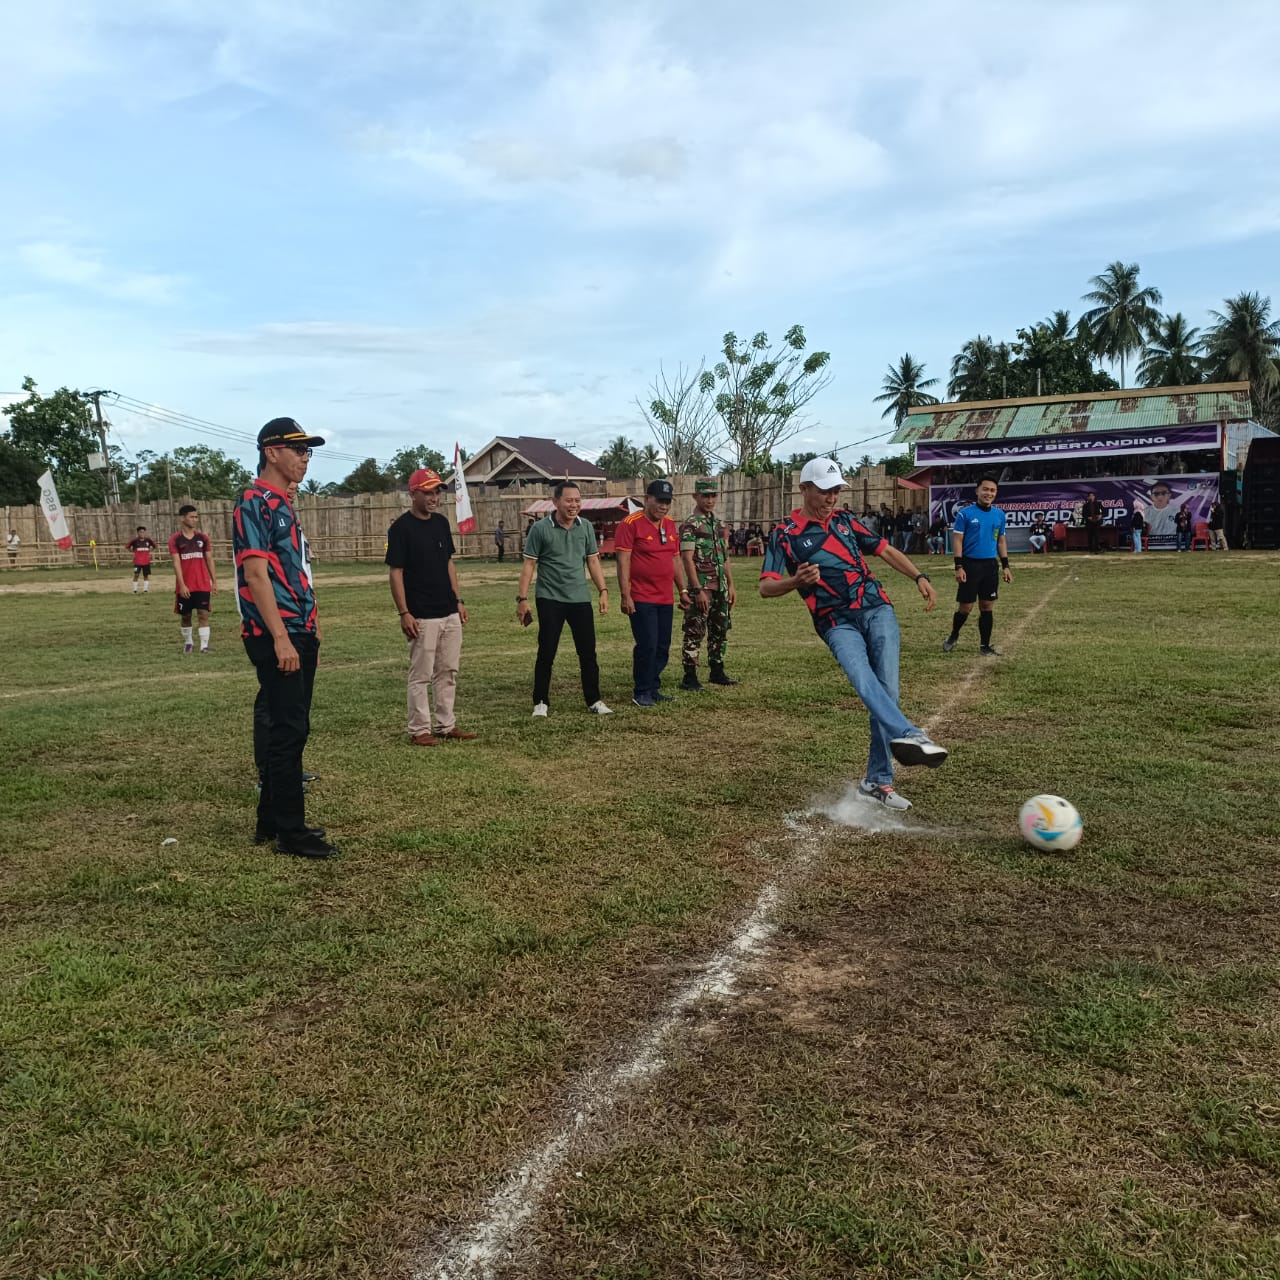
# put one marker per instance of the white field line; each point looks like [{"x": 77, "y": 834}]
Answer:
[{"x": 482, "y": 1252}]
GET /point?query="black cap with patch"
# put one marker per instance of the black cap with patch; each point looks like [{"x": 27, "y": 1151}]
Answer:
[
  {"x": 660, "y": 489},
  {"x": 285, "y": 431}
]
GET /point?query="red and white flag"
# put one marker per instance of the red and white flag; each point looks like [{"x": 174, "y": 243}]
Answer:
[
  {"x": 53, "y": 512},
  {"x": 466, "y": 521}
]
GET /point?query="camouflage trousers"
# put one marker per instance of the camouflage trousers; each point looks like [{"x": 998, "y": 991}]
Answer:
[{"x": 714, "y": 624}]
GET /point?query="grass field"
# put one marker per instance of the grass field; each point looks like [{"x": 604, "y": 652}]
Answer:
[{"x": 955, "y": 1057}]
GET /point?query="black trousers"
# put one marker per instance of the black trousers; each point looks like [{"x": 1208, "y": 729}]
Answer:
[
  {"x": 552, "y": 615},
  {"x": 281, "y": 724},
  {"x": 1092, "y": 533}
]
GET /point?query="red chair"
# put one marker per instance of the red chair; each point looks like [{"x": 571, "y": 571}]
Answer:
[
  {"x": 1058, "y": 537},
  {"x": 1200, "y": 534}
]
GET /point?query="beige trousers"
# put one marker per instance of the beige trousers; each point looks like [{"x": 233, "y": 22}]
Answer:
[{"x": 433, "y": 673}]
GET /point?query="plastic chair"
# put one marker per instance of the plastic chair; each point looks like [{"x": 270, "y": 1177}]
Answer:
[
  {"x": 1057, "y": 537},
  {"x": 1200, "y": 535}
]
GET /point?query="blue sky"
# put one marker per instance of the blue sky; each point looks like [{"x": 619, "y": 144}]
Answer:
[{"x": 407, "y": 223}]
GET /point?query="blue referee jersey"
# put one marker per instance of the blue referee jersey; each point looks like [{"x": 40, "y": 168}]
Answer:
[{"x": 981, "y": 530}]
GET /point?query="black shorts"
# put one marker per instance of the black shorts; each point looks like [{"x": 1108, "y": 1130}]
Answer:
[
  {"x": 144, "y": 569},
  {"x": 981, "y": 581},
  {"x": 196, "y": 600}
]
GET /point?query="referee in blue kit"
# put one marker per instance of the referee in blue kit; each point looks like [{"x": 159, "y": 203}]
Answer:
[{"x": 977, "y": 541}]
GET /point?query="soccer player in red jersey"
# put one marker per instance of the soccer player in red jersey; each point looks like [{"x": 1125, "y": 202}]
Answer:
[
  {"x": 195, "y": 577},
  {"x": 142, "y": 544}
]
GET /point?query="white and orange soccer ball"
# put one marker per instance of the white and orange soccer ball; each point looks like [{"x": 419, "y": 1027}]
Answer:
[{"x": 1050, "y": 823}]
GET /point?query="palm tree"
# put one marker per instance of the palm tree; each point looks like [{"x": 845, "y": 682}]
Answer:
[
  {"x": 621, "y": 460},
  {"x": 1244, "y": 343},
  {"x": 904, "y": 388},
  {"x": 970, "y": 368},
  {"x": 1059, "y": 326},
  {"x": 1171, "y": 358},
  {"x": 1125, "y": 315},
  {"x": 1036, "y": 347},
  {"x": 651, "y": 463}
]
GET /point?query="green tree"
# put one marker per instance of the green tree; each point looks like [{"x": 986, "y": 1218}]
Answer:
[
  {"x": 191, "y": 471},
  {"x": 971, "y": 370},
  {"x": 899, "y": 464},
  {"x": 759, "y": 392},
  {"x": 1242, "y": 345},
  {"x": 19, "y": 473},
  {"x": 621, "y": 460},
  {"x": 1125, "y": 316},
  {"x": 56, "y": 431},
  {"x": 651, "y": 463},
  {"x": 369, "y": 477},
  {"x": 904, "y": 388},
  {"x": 404, "y": 462},
  {"x": 1172, "y": 357}
]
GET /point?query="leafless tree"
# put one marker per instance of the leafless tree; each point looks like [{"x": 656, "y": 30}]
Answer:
[{"x": 682, "y": 418}]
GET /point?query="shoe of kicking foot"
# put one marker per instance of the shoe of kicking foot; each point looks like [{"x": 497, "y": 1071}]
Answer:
[
  {"x": 540, "y": 710},
  {"x": 598, "y": 708},
  {"x": 305, "y": 845},
  {"x": 990, "y": 651},
  {"x": 457, "y": 735},
  {"x": 424, "y": 740},
  {"x": 949, "y": 643},
  {"x": 886, "y": 796},
  {"x": 917, "y": 747},
  {"x": 265, "y": 837}
]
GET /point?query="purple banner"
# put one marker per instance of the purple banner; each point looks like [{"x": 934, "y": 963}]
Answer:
[
  {"x": 1061, "y": 500},
  {"x": 1204, "y": 435}
]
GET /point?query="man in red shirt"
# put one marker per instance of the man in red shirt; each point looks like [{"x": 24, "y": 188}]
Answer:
[
  {"x": 142, "y": 545},
  {"x": 194, "y": 576},
  {"x": 648, "y": 549}
]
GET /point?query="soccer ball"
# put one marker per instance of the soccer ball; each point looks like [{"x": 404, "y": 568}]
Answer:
[{"x": 1051, "y": 823}]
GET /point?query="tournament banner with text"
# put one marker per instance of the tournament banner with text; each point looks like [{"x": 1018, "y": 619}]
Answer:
[
  {"x": 466, "y": 521},
  {"x": 1159, "y": 500},
  {"x": 1201, "y": 435},
  {"x": 53, "y": 512}
]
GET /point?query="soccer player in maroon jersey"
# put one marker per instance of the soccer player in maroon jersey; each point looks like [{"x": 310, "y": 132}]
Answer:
[
  {"x": 142, "y": 544},
  {"x": 195, "y": 577}
]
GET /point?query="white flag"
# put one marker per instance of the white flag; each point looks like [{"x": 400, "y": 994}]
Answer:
[
  {"x": 53, "y": 512},
  {"x": 466, "y": 521}
]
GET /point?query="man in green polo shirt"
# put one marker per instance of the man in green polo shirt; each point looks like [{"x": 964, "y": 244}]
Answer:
[{"x": 558, "y": 546}]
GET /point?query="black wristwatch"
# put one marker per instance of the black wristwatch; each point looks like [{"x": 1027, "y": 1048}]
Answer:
[
  {"x": 521, "y": 599},
  {"x": 925, "y": 576}
]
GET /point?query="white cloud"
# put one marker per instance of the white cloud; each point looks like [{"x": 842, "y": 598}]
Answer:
[{"x": 58, "y": 262}]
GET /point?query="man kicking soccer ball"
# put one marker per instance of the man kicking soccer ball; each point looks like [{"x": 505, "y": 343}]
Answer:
[
  {"x": 977, "y": 538},
  {"x": 821, "y": 553}
]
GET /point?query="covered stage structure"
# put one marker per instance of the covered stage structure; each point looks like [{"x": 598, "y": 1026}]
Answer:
[{"x": 1158, "y": 449}]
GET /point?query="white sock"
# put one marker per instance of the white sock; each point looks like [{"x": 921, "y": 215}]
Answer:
[
  {"x": 186, "y": 635},
  {"x": 146, "y": 585},
  {"x": 135, "y": 586},
  {"x": 204, "y": 637}
]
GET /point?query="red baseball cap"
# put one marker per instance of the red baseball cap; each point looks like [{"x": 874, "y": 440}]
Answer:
[{"x": 424, "y": 478}]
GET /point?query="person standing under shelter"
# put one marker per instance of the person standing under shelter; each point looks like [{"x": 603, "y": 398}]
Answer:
[
  {"x": 977, "y": 539},
  {"x": 1137, "y": 526},
  {"x": 14, "y": 543},
  {"x": 559, "y": 547},
  {"x": 822, "y": 554},
  {"x": 1217, "y": 527},
  {"x": 649, "y": 565},
  {"x": 1093, "y": 513},
  {"x": 279, "y": 626},
  {"x": 1182, "y": 529},
  {"x": 704, "y": 549},
  {"x": 195, "y": 578},
  {"x": 142, "y": 544},
  {"x": 424, "y": 586}
]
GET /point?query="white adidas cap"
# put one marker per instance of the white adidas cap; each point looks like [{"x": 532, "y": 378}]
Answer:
[{"x": 823, "y": 472}]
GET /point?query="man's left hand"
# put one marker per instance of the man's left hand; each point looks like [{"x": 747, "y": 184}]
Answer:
[
  {"x": 1008, "y": 575},
  {"x": 462, "y": 614},
  {"x": 733, "y": 597},
  {"x": 929, "y": 594}
]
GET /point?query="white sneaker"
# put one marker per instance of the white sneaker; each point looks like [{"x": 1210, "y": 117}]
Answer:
[
  {"x": 886, "y": 796},
  {"x": 541, "y": 710},
  {"x": 916, "y": 747},
  {"x": 599, "y": 709}
]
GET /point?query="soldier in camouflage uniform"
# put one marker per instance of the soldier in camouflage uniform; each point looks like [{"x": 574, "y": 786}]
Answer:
[{"x": 704, "y": 548}]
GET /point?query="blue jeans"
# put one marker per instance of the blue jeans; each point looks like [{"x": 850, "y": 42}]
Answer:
[
  {"x": 651, "y": 627},
  {"x": 866, "y": 647},
  {"x": 1137, "y": 539},
  {"x": 1182, "y": 539}
]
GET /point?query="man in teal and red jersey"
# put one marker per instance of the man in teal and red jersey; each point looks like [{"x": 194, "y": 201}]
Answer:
[
  {"x": 822, "y": 553},
  {"x": 142, "y": 544},
  {"x": 280, "y": 632},
  {"x": 193, "y": 576},
  {"x": 647, "y": 545}
]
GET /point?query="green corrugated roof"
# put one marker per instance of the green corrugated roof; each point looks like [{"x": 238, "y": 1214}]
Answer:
[{"x": 996, "y": 420}]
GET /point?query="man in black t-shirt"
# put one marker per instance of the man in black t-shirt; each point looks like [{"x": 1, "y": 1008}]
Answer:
[{"x": 424, "y": 586}]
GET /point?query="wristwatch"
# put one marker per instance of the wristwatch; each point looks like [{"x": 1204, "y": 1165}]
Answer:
[
  {"x": 925, "y": 576},
  {"x": 521, "y": 599}
]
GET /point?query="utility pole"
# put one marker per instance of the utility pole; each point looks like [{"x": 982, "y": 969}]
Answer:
[
  {"x": 168, "y": 477},
  {"x": 137, "y": 483},
  {"x": 113, "y": 482}
]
